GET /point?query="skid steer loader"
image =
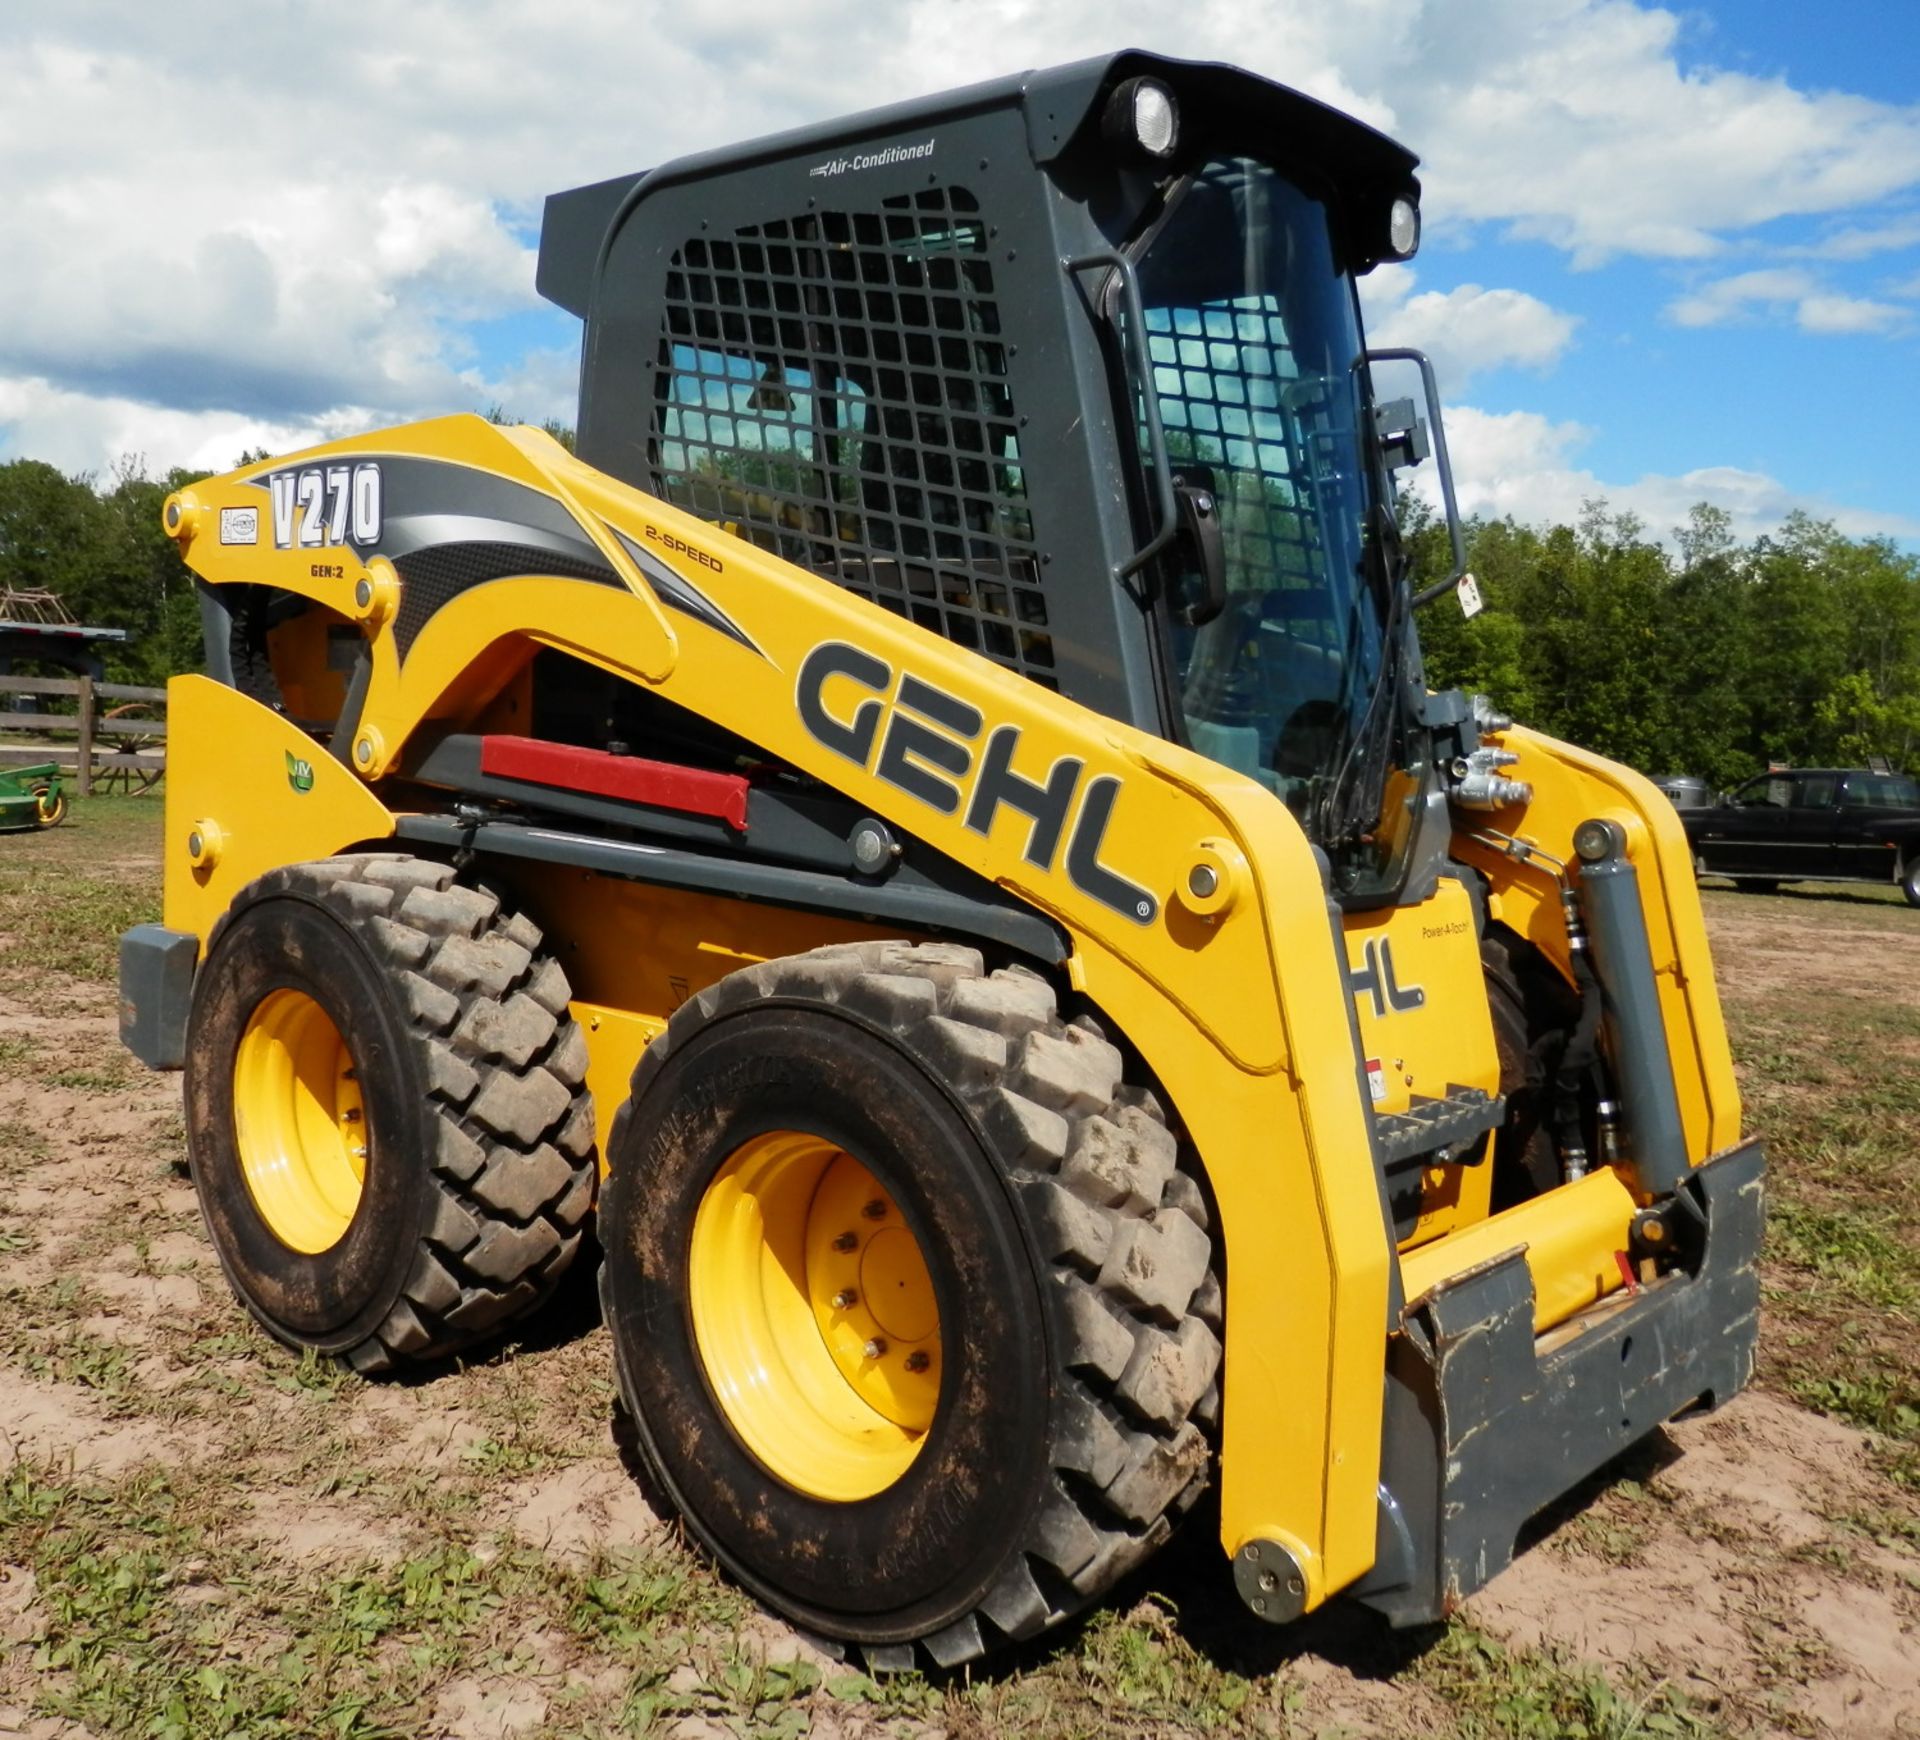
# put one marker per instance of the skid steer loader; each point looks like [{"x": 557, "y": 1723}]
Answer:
[{"x": 935, "y": 817}]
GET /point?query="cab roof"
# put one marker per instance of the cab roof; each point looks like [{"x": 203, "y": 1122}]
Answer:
[{"x": 1059, "y": 104}]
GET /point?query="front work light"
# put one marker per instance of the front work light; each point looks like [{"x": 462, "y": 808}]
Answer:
[
  {"x": 1403, "y": 229},
  {"x": 1142, "y": 117}
]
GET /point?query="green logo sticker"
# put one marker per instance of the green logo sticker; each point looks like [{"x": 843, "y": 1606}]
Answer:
[{"x": 299, "y": 773}]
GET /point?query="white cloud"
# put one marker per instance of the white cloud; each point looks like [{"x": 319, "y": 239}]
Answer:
[
  {"x": 1466, "y": 330},
  {"x": 85, "y": 432},
  {"x": 543, "y": 385},
  {"x": 1522, "y": 464},
  {"x": 1574, "y": 122},
  {"x": 1776, "y": 290},
  {"x": 290, "y": 226},
  {"x": 1832, "y": 313},
  {"x": 1726, "y": 299},
  {"x": 1858, "y": 242}
]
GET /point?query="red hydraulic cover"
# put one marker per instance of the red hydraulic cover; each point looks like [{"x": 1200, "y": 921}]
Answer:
[{"x": 691, "y": 790}]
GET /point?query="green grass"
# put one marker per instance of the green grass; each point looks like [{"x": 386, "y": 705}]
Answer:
[
  {"x": 21, "y": 1146},
  {"x": 1496, "y": 1690},
  {"x": 110, "y": 1075},
  {"x": 64, "y": 900},
  {"x": 161, "y": 1615},
  {"x": 1856, "y": 1251},
  {"x": 1852, "y": 897},
  {"x": 158, "y": 1618},
  {"x": 158, "y": 1621},
  {"x": 1832, "y": 1083}
]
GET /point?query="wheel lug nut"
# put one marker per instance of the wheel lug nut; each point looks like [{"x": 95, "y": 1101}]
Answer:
[
  {"x": 846, "y": 1241},
  {"x": 875, "y": 1210},
  {"x": 918, "y": 1362},
  {"x": 875, "y": 1349},
  {"x": 845, "y": 1299}
]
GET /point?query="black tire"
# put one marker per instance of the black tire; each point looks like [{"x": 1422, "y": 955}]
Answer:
[
  {"x": 49, "y": 807},
  {"x": 1080, "y": 1303},
  {"x": 1910, "y": 880},
  {"x": 1534, "y": 1012},
  {"x": 479, "y": 1167}
]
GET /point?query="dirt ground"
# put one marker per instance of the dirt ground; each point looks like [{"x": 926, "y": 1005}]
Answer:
[{"x": 200, "y": 1535}]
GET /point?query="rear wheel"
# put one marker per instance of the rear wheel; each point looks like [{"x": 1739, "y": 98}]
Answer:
[
  {"x": 1910, "y": 880},
  {"x": 49, "y": 807},
  {"x": 914, "y": 1309},
  {"x": 386, "y": 1118}
]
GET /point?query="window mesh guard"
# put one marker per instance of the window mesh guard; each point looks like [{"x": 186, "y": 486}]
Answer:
[
  {"x": 1229, "y": 393},
  {"x": 833, "y": 388}
]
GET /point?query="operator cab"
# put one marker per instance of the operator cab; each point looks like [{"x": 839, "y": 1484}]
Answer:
[{"x": 1067, "y": 368}]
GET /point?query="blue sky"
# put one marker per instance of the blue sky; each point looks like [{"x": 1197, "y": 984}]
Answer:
[
  {"x": 1672, "y": 254},
  {"x": 1755, "y": 392}
]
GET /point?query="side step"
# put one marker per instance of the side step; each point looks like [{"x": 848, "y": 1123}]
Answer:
[{"x": 1464, "y": 1115}]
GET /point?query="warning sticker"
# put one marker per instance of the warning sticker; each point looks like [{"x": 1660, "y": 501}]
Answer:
[
  {"x": 1376, "y": 1081},
  {"x": 239, "y": 525}
]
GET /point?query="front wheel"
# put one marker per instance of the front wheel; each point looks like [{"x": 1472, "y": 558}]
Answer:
[{"x": 913, "y": 1308}]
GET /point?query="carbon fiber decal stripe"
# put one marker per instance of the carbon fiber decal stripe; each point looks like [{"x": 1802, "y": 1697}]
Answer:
[
  {"x": 433, "y": 577},
  {"x": 676, "y": 591}
]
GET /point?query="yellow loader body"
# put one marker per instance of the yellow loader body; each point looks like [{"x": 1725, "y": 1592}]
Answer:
[{"x": 1188, "y": 903}]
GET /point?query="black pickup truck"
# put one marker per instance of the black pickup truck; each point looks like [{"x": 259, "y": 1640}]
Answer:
[{"x": 1812, "y": 824}]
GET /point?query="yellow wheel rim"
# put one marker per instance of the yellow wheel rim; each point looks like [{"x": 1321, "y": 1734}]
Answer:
[
  {"x": 814, "y": 1316},
  {"x": 49, "y": 807},
  {"x": 299, "y": 1122}
]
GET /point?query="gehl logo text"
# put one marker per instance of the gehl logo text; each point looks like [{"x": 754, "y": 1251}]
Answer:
[
  {"x": 1374, "y": 978},
  {"x": 929, "y": 745}
]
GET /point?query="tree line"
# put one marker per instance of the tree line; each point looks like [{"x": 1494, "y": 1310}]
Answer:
[
  {"x": 98, "y": 545},
  {"x": 1712, "y": 657},
  {"x": 101, "y": 550}
]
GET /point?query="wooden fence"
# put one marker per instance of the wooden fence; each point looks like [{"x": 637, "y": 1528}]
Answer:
[{"x": 115, "y": 736}]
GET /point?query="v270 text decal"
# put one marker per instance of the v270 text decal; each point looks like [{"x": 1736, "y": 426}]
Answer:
[{"x": 318, "y": 505}]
